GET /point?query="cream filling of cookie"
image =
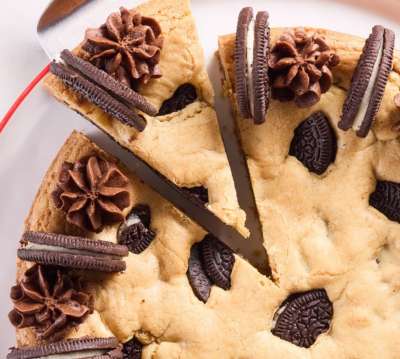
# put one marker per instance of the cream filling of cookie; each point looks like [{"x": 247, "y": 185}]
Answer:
[
  {"x": 77, "y": 355},
  {"x": 82, "y": 252},
  {"x": 368, "y": 93},
  {"x": 249, "y": 53}
]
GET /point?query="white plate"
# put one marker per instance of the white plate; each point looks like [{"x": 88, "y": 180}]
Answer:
[{"x": 41, "y": 125}]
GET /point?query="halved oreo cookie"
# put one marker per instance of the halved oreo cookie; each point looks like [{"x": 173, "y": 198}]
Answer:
[
  {"x": 200, "y": 283},
  {"x": 314, "y": 143},
  {"x": 88, "y": 348},
  {"x": 251, "y": 64},
  {"x": 108, "y": 83},
  {"x": 369, "y": 81},
  {"x": 72, "y": 252},
  {"x": 302, "y": 317},
  {"x": 132, "y": 349},
  {"x": 386, "y": 199},
  {"x": 98, "y": 96},
  {"x": 218, "y": 261},
  {"x": 135, "y": 232}
]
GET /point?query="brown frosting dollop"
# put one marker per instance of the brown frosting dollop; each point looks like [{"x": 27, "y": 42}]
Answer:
[
  {"x": 127, "y": 47},
  {"x": 49, "y": 300},
  {"x": 93, "y": 192},
  {"x": 300, "y": 66}
]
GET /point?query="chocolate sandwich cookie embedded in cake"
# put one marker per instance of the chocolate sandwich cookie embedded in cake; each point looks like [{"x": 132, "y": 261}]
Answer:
[
  {"x": 135, "y": 231},
  {"x": 251, "y": 64},
  {"x": 302, "y": 317},
  {"x": 72, "y": 252},
  {"x": 369, "y": 82},
  {"x": 210, "y": 262},
  {"x": 84, "y": 348},
  {"x": 50, "y": 300}
]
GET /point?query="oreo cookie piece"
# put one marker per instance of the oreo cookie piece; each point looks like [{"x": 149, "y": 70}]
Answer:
[
  {"x": 132, "y": 349},
  {"x": 314, "y": 143},
  {"x": 200, "y": 283},
  {"x": 199, "y": 193},
  {"x": 182, "y": 97},
  {"x": 251, "y": 64},
  {"x": 369, "y": 81},
  {"x": 135, "y": 232},
  {"x": 93, "y": 348},
  {"x": 386, "y": 199},
  {"x": 108, "y": 83},
  {"x": 72, "y": 252},
  {"x": 98, "y": 96},
  {"x": 218, "y": 261},
  {"x": 302, "y": 317}
]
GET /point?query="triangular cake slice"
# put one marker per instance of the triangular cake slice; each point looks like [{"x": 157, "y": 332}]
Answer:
[
  {"x": 184, "y": 145},
  {"x": 318, "y": 223}
]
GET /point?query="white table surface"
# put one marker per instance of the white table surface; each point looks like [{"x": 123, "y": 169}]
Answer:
[{"x": 40, "y": 126}]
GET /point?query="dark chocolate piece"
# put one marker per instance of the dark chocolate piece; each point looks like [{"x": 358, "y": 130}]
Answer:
[
  {"x": 218, "y": 261},
  {"x": 108, "y": 83},
  {"x": 98, "y": 96},
  {"x": 72, "y": 252},
  {"x": 302, "y": 317},
  {"x": 85, "y": 346},
  {"x": 386, "y": 199},
  {"x": 183, "y": 96},
  {"x": 314, "y": 143},
  {"x": 200, "y": 283}
]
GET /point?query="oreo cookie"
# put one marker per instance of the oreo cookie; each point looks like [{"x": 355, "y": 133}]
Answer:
[
  {"x": 314, "y": 143},
  {"x": 251, "y": 64},
  {"x": 93, "y": 348},
  {"x": 200, "y": 283},
  {"x": 302, "y": 317},
  {"x": 72, "y": 252},
  {"x": 369, "y": 81},
  {"x": 98, "y": 96},
  {"x": 108, "y": 83},
  {"x": 386, "y": 199},
  {"x": 135, "y": 232}
]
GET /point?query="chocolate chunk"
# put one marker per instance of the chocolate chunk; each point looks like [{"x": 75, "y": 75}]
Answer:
[
  {"x": 241, "y": 65},
  {"x": 132, "y": 349},
  {"x": 183, "y": 96},
  {"x": 314, "y": 143},
  {"x": 386, "y": 199},
  {"x": 135, "y": 232},
  {"x": 98, "y": 96},
  {"x": 199, "y": 193},
  {"x": 72, "y": 252},
  {"x": 302, "y": 317},
  {"x": 200, "y": 283},
  {"x": 108, "y": 83},
  {"x": 261, "y": 86},
  {"x": 87, "y": 347},
  {"x": 218, "y": 261},
  {"x": 369, "y": 81}
]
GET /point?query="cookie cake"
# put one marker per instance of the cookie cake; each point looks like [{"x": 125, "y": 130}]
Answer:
[{"x": 157, "y": 260}]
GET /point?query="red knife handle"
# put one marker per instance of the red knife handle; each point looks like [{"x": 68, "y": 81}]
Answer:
[{"x": 22, "y": 97}]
